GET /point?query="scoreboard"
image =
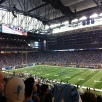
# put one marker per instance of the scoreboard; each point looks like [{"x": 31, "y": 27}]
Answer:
[{"x": 7, "y": 28}]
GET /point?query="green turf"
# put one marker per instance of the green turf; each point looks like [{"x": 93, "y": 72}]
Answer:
[{"x": 81, "y": 76}]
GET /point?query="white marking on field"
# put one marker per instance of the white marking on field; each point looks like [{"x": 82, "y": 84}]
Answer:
[
  {"x": 78, "y": 75},
  {"x": 67, "y": 77},
  {"x": 74, "y": 72},
  {"x": 91, "y": 77},
  {"x": 80, "y": 79},
  {"x": 56, "y": 75},
  {"x": 84, "y": 76},
  {"x": 93, "y": 70},
  {"x": 46, "y": 74},
  {"x": 96, "y": 81}
]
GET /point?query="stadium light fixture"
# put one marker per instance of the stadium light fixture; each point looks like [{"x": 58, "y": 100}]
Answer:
[
  {"x": 47, "y": 27},
  {"x": 66, "y": 22},
  {"x": 54, "y": 25},
  {"x": 100, "y": 48},
  {"x": 82, "y": 18},
  {"x": 81, "y": 49},
  {"x": 100, "y": 14},
  {"x": 60, "y": 30},
  {"x": 94, "y": 15},
  {"x": 75, "y": 20}
]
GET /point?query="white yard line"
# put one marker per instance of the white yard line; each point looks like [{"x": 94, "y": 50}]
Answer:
[
  {"x": 95, "y": 82},
  {"x": 78, "y": 75},
  {"x": 71, "y": 75},
  {"x": 84, "y": 77},
  {"x": 92, "y": 77}
]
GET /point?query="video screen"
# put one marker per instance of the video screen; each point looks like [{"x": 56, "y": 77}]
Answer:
[{"x": 6, "y": 28}]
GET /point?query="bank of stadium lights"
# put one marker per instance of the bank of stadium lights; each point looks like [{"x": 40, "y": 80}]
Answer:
[
  {"x": 81, "y": 49},
  {"x": 100, "y": 14},
  {"x": 95, "y": 15},
  {"x": 55, "y": 25},
  {"x": 82, "y": 18},
  {"x": 28, "y": 44},
  {"x": 71, "y": 27},
  {"x": 66, "y": 27},
  {"x": 66, "y": 22},
  {"x": 47, "y": 27},
  {"x": 74, "y": 20},
  {"x": 63, "y": 29},
  {"x": 100, "y": 48}
]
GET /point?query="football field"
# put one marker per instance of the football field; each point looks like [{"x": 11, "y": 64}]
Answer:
[{"x": 82, "y": 76}]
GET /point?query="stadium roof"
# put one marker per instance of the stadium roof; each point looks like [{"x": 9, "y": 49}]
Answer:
[{"x": 35, "y": 14}]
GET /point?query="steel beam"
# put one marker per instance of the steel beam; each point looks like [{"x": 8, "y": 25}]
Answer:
[
  {"x": 38, "y": 7},
  {"x": 24, "y": 13},
  {"x": 98, "y": 3}
]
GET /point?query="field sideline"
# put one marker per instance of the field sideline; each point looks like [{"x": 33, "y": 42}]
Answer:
[{"x": 81, "y": 76}]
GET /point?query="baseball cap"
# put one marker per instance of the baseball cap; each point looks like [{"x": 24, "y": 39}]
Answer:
[{"x": 14, "y": 90}]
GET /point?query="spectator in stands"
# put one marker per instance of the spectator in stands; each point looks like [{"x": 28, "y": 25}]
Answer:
[
  {"x": 38, "y": 88},
  {"x": 87, "y": 89},
  {"x": 90, "y": 59},
  {"x": 14, "y": 90},
  {"x": 35, "y": 94},
  {"x": 88, "y": 97},
  {"x": 49, "y": 97},
  {"x": 66, "y": 93},
  {"x": 99, "y": 98},
  {"x": 44, "y": 92},
  {"x": 29, "y": 89},
  {"x": 2, "y": 85}
]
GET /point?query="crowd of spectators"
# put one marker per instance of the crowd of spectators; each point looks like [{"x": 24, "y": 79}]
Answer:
[
  {"x": 17, "y": 88},
  {"x": 14, "y": 45},
  {"x": 77, "y": 57},
  {"x": 69, "y": 57}
]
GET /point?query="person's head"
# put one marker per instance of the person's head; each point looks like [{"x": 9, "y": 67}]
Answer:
[
  {"x": 44, "y": 89},
  {"x": 49, "y": 97},
  {"x": 15, "y": 90},
  {"x": 2, "y": 83},
  {"x": 35, "y": 89},
  {"x": 99, "y": 98},
  {"x": 38, "y": 88},
  {"x": 88, "y": 97},
  {"x": 29, "y": 87}
]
